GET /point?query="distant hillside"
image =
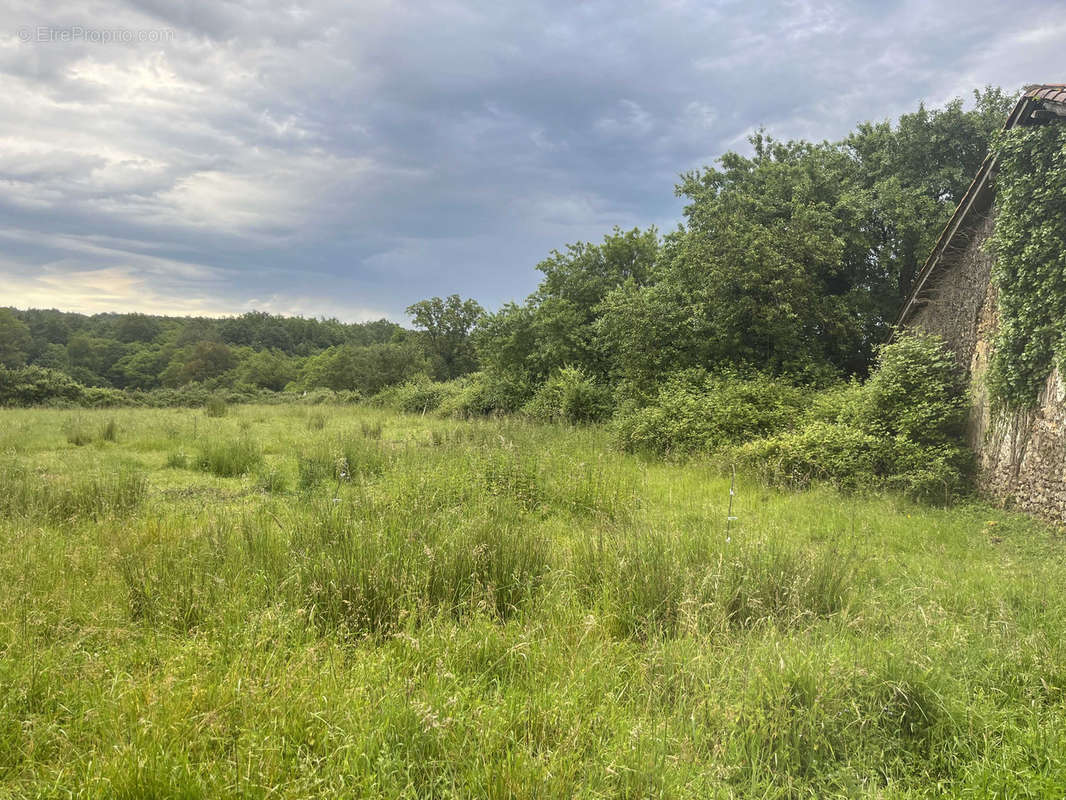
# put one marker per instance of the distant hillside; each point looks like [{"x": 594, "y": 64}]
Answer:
[{"x": 142, "y": 351}]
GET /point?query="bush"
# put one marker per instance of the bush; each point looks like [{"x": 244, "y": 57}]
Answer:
[
  {"x": 570, "y": 395},
  {"x": 30, "y": 386},
  {"x": 916, "y": 391},
  {"x": 315, "y": 397},
  {"x": 929, "y": 473},
  {"x": 839, "y": 454},
  {"x": 417, "y": 396},
  {"x": 840, "y": 403},
  {"x": 696, "y": 412},
  {"x": 97, "y": 397},
  {"x": 902, "y": 430},
  {"x": 481, "y": 394}
]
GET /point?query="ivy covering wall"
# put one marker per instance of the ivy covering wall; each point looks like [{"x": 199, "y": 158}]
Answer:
[{"x": 1030, "y": 272}]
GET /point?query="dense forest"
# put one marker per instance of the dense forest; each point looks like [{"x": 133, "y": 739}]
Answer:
[{"x": 790, "y": 262}]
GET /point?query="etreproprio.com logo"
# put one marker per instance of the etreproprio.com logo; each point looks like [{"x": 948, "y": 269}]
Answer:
[{"x": 80, "y": 33}]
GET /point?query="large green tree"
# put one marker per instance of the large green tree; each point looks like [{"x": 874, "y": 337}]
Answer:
[
  {"x": 911, "y": 175},
  {"x": 556, "y": 327},
  {"x": 795, "y": 259},
  {"x": 446, "y": 325}
]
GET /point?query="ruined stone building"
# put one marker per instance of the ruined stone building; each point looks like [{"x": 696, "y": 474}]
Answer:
[{"x": 1021, "y": 455}]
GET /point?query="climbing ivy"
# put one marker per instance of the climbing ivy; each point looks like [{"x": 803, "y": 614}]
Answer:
[{"x": 1029, "y": 243}]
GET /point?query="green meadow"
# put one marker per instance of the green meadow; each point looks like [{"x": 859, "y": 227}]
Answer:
[{"x": 334, "y": 601}]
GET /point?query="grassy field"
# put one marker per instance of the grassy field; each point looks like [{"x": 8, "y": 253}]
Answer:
[{"x": 337, "y": 602}]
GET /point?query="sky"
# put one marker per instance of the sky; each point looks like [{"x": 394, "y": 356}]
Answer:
[{"x": 349, "y": 159}]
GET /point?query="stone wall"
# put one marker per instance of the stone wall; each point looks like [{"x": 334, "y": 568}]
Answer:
[
  {"x": 1021, "y": 456},
  {"x": 951, "y": 305}
]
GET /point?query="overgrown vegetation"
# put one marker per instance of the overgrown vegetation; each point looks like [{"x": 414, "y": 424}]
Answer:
[
  {"x": 570, "y": 395},
  {"x": 903, "y": 429},
  {"x": 1030, "y": 273},
  {"x": 791, "y": 260},
  {"x": 699, "y": 412},
  {"x": 477, "y": 608}
]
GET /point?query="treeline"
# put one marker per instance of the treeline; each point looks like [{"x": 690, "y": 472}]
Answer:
[
  {"x": 792, "y": 261},
  {"x": 255, "y": 351},
  {"x": 787, "y": 270}
]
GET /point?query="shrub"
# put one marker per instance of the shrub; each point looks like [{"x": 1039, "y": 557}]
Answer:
[
  {"x": 570, "y": 395},
  {"x": 100, "y": 397},
  {"x": 916, "y": 391},
  {"x": 929, "y": 473},
  {"x": 839, "y": 454},
  {"x": 483, "y": 393},
  {"x": 902, "y": 430},
  {"x": 417, "y": 396},
  {"x": 473, "y": 398},
  {"x": 696, "y": 412},
  {"x": 319, "y": 396},
  {"x": 840, "y": 403},
  {"x": 35, "y": 385}
]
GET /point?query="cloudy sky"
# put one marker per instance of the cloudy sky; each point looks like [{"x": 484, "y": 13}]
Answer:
[{"x": 347, "y": 159}]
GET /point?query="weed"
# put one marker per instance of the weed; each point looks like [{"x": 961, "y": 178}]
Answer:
[{"x": 314, "y": 467}]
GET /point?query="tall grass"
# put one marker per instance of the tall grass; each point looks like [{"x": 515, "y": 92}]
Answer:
[
  {"x": 229, "y": 458},
  {"x": 498, "y": 609},
  {"x": 47, "y": 497},
  {"x": 653, "y": 584},
  {"x": 109, "y": 431},
  {"x": 216, "y": 406}
]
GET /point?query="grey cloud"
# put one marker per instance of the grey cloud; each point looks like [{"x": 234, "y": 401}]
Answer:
[{"x": 320, "y": 157}]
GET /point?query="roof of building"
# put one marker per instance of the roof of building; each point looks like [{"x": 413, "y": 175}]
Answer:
[
  {"x": 1048, "y": 91},
  {"x": 1038, "y": 97}
]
